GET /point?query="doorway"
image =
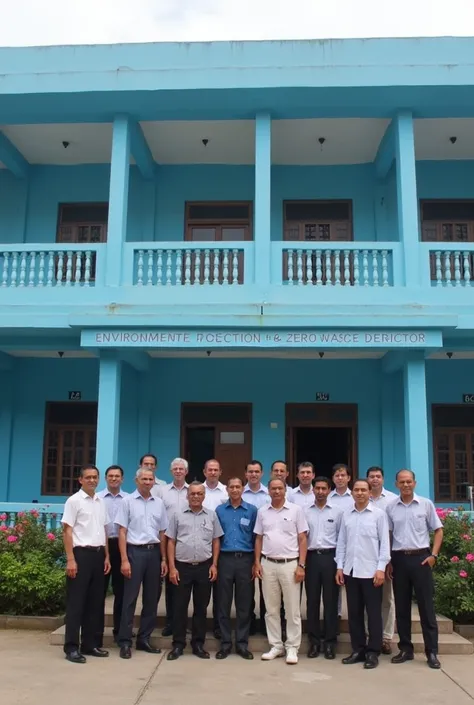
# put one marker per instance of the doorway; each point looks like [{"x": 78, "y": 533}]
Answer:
[
  {"x": 220, "y": 431},
  {"x": 323, "y": 435}
]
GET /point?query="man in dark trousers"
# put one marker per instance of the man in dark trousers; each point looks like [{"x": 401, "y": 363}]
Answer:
[
  {"x": 112, "y": 497},
  {"x": 237, "y": 519},
  {"x": 143, "y": 521},
  {"x": 324, "y": 521},
  {"x": 362, "y": 554},
  {"x": 193, "y": 553},
  {"x": 411, "y": 518},
  {"x": 85, "y": 543}
]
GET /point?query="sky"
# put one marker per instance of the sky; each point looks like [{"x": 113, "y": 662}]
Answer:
[{"x": 46, "y": 22}]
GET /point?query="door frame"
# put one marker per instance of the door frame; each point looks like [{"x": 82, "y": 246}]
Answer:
[
  {"x": 321, "y": 422},
  {"x": 196, "y": 424}
]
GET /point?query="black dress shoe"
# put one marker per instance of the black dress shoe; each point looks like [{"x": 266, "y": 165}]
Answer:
[
  {"x": 75, "y": 657},
  {"x": 100, "y": 653},
  {"x": 174, "y": 654},
  {"x": 313, "y": 651},
  {"x": 167, "y": 630},
  {"x": 217, "y": 634},
  {"x": 371, "y": 661},
  {"x": 244, "y": 653},
  {"x": 200, "y": 652},
  {"x": 355, "y": 657},
  {"x": 146, "y": 646},
  {"x": 330, "y": 652},
  {"x": 402, "y": 656},
  {"x": 432, "y": 659},
  {"x": 222, "y": 654},
  {"x": 125, "y": 652}
]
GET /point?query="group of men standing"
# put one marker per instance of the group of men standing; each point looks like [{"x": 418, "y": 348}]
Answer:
[{"x": 208, "y": 537}]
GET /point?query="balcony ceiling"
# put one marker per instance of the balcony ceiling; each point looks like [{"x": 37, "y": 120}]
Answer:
[{"x": 294, "y": 142}]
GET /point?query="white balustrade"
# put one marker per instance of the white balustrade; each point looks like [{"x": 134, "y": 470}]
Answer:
[
  {"x": 191, "y": 266},
  {"x": 335, "y": 267},
  {"x": 452, "y": 268},
  {"x": 53, "y": 268}
]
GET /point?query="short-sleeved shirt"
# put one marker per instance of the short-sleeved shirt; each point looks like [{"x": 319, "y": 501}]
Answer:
[
  {"x": 384, "y": 499},
  {"x": 343, "y": 501},
  {"x": 238, "y": 524},
  {"x": 215, "y": 496},
  {"x": 143, "y": 518},
  {"x": 88, "y": 518},
  {"x": 112, "y": 502},
  {"x": 324, "y": 525},
  {"x": 258, "y": 498},
  {"x": 174, "y": 498},
  {"x": 280, "y": 529},
  {"x": 303, "y": 499},
  {"x": 194, "y": 533},
  {"x": 411, "y": 524}
]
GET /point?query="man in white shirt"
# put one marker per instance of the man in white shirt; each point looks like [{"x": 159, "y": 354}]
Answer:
[
  {"x": 303, "y": 494},
  {"x": 362, "y": 554},
  {"x": 112, "y": 497},
  {"x": 216, "y": 494},
  {"x": 150, "y": 462},
  {"x": 85, "y": 543},
  {"x": 280, "y": 561},
  {"x": 341, "y": 495},
  {"x": 382, "y": 498},
  {"x": 279, "y": 469},
  {"x": 257, "y": 494},
  {"x": 175, "y": 499}
]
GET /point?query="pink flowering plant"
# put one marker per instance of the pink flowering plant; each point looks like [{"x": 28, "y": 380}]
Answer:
[
  {"x": 454, "y": 571},
  {"x": 32, "y": 578}
]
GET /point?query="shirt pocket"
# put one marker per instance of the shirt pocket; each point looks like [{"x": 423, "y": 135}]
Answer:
[
  {"x": 330, "y": 530},
  {"x": 207, "y": 530},
  {"x": 287, "y": 526},
  {"x": 419, "y": 522},
  {"x": 368, "y": 531}
]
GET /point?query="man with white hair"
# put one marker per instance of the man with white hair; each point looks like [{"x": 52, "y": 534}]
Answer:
[
  {"x": 175, "y": 498},
  {"x": 143, "y": 521}
]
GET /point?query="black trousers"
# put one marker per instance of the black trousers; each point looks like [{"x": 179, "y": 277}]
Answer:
[
  {"x": 262, "y": 604},
  {"x": 408, "y": 576},
  {"x": 235, "y": 579},
  {"x": 362, "y": 595},
  {"x": 85, "y": 600},
  {"x": 117, "y": 587},
  {"x": 193, "y": 579},
  {"x": 215, "y": 605},
  {"x": 170, "y": 591},
  {"x": 146, "y": 571},
  {"x": 321, "y": 577}
]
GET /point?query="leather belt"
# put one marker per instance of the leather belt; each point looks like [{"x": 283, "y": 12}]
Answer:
[
  {"x": 236, "y": 554},
  {"x": 280, "y": 560},
  {"x": 91, "y": 548},
  {"x": 321, "y": 551},
  {"x": 413, "y": 551},
  {"x": 147, "y": 546},
  {"x": 208, "y": 560}
]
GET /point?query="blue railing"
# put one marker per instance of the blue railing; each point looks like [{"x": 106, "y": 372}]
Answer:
[{"x": 49, "y": 514}]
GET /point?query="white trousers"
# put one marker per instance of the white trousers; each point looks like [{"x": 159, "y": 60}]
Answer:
[
  {"x": 388, "y": 611},
  {"x": 279, "y": 579}
]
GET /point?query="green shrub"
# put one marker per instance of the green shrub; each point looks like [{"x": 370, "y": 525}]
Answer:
[{"x": 32, "y": 576}]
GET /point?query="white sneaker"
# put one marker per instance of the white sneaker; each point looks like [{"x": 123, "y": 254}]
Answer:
[
  {"x": 273, "y": 653},
  {"x": 291, "y": 655}
]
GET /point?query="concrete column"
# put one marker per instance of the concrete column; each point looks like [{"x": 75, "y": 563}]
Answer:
[
  {"x": 416, "y": 424},
  {"x": 118, "y": 200},
  {"x": 108, "y": 416},
  {"x": 6, "y": 424},
  {"x": 144, "y": 413},
  {"x": 387, "y": 428},
  {"x": 262, "y": 219},
  {"x": 407, "y": 200}
]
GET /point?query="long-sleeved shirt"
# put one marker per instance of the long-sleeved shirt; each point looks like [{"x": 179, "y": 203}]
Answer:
[
  {"x": 112, "y": 502},
  {"x": 304, "y": 499},
  {"x": 342, "y": 501},
  {"x": 363, "y": 544},
  {"x": 258, "y": 498}
]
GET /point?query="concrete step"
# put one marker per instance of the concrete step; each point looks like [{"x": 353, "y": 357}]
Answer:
[{"x": 448, "y": 643}]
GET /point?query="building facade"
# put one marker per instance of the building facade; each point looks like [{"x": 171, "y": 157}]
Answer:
[{"x": 237, "y": 250}]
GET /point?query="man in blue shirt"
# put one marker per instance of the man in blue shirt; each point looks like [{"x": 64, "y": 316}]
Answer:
[{"x": 237, "y": 519}]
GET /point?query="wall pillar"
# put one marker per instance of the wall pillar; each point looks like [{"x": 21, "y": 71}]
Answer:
[
  {"x": 6, "y": 425},
  {"x": 108, "y": 416},
  {"x": 262, "y": 219},
  {"x": 118, "y": 200},
  {"x": 407, "y": 200},
  {"x": 416, "y": 423},
  {"x": 144, "y": 414}
]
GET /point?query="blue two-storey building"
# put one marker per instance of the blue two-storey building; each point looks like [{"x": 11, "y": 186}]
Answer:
[{"x": 237, "y": 250}]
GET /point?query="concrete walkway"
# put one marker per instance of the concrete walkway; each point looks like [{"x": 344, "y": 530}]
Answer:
[{"x": 34, "y": 673}]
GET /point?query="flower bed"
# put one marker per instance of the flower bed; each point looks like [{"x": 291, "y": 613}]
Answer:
[
  {"x": 454, "y": 571},
  {"x": 32, "y": 576}
]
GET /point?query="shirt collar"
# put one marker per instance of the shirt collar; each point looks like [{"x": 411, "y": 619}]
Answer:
[
  {"x": 263, "y": 489},
  {"x": 286, "y": 505},
  {"x": 108, "y": 493},
  {"x": 172, "y": 486},
  {"x": 328, "y": 505},
  {"x": 137, "y": 495},
  {"x": 369, "y": 507},
  {"x": 243, "y": 505},
  {"x": 219, "y": 486},
  {"x": 347, "y": 492},
  {"x": 84, "y": 495},
  {"x": 415, "y": 499},
  {"x": 298, "y": 489},
  {"x": 202, "y": 511}
]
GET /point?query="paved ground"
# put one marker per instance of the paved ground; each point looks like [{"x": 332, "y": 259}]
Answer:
[{"x": 34, "y": 673}]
